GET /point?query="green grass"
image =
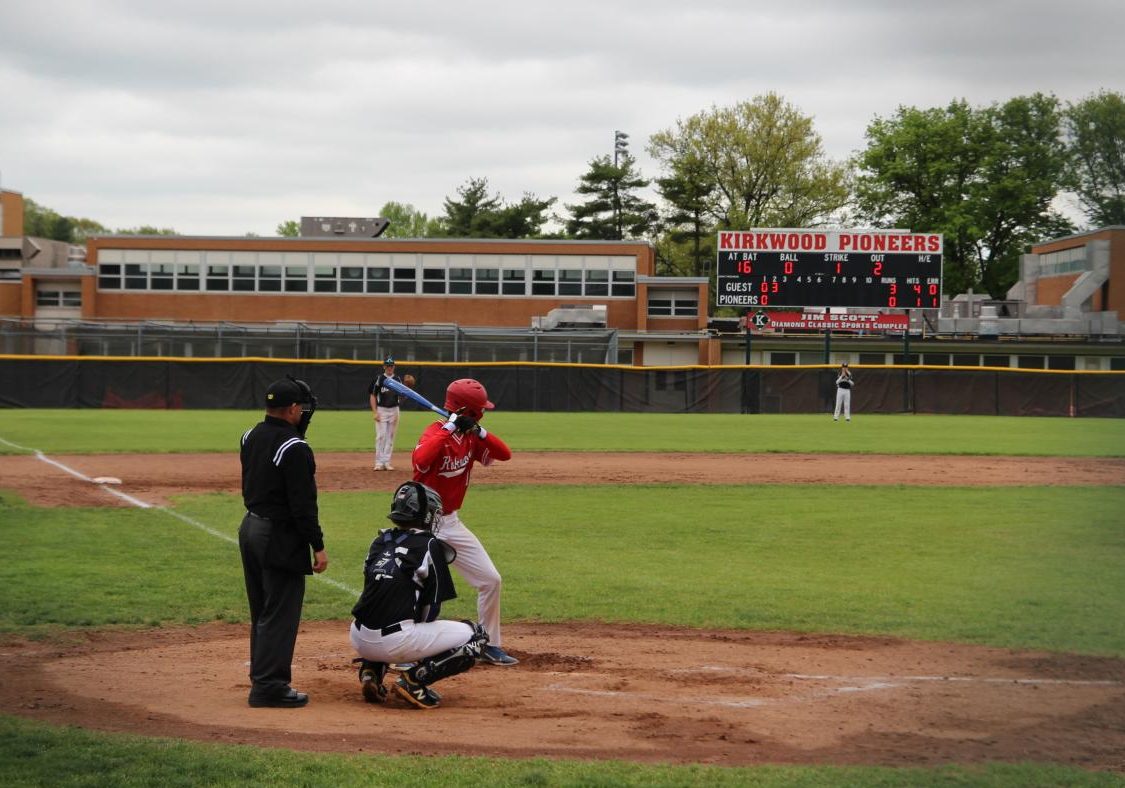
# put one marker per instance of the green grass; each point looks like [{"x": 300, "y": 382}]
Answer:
[
  {"x": 1014, "y": 567},
  {"x": 1018, "y": 567},
  {"x": 87, "y": 431},
  {"x": 32, "y": 754}
]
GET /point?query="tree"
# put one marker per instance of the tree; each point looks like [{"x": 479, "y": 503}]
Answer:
[
  {"x": 765, "y": 161},
  {"x": 687, "y": 190},
  {"x": 984, "y": 178},
  {"x": 406, "y": 221},
  {"x": 290, "y": 228},
  {"x": 1095, "y": 131},
  {"x": 614, "y": 210},
  {"x": 478, "y": 215}
]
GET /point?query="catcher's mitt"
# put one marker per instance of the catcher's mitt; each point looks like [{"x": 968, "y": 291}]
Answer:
[{"x": 408, "y": 380}]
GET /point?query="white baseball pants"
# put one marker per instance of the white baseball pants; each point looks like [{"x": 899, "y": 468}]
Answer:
[
  {"x": 413, "y": 642},
  {"x": 385, "y": 429},
  {"x": 843, "y": 400},
  {"x": 473, "y": 564}
]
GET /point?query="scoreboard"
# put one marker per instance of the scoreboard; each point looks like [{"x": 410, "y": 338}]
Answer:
[{"x": 862, "y": 268}]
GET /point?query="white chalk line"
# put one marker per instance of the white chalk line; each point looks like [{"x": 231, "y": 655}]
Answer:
[
  {"x": 137, "y": 502},
  {"x": 970, "y": 679}
]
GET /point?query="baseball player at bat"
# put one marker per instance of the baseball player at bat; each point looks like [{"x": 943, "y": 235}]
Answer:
[{"x": 443, "y": 460}]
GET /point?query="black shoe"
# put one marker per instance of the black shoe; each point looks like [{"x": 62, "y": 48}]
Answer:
[
  {"x": 417, "y": 694},
  {"x": 290, "y": 699}
]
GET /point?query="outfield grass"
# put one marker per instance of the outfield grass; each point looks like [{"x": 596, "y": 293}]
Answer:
[
  {"x": 151, "y": 431},
  {"x": 1015, "y": 567},
  {"x": 32, "y": 754},
  {"x": 1018, "y": 567}
]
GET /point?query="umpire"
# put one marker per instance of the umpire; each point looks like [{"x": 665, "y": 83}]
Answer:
[{"x": 281, "y": 524}]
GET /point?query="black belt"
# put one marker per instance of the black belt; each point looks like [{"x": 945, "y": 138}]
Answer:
[
  {"x": 258, "y": 516},
  {"x": 387, "y": 630}
]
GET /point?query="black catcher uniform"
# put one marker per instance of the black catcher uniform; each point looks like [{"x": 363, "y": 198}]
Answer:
[{"x": 405, "y": 580}]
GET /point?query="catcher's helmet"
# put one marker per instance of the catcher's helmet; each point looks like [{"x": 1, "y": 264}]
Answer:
[
  {"x": 468, "y": 394},
  {"x": 415, "y": 505}
]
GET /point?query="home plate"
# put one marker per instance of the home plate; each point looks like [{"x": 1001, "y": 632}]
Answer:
[{"x": 106, "y": 480}]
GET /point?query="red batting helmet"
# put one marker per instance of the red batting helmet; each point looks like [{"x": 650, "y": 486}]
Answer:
[{"x": 468, "y": 394}]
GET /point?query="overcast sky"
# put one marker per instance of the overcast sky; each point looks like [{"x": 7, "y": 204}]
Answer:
[{"x": 226, "y": 118}]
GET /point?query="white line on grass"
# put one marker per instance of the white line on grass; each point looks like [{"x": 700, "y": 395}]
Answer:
[{"x": 145, "y": 505}]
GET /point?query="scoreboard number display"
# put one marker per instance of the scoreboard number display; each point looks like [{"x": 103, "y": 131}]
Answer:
[{"x": 860, "y": 268}]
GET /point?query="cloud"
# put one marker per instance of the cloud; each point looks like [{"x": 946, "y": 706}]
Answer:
[{"x": 226, "y": 118}]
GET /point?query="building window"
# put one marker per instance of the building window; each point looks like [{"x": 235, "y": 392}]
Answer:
[
  {"x": 623, "y": 283},
  {"x": 570, "y": 282},
  {"x": 162, "y": 276},
  {"x": 109, "y": 276},
  {"x": 433, "y": 281},
  {"x": 244, "y": 278},
  {"x": 782, "y": 359},
  {"x": 70, "y": 298},
  {"x": 597, "y": 283},
  {"x": 296, "y": 279},
  {"x": 872, "y": 358},
  {"x": 324, "y": 279},
  {"x": 351, "y": 279},
  {"x": 966, "y": 360},
  {"x": 487, "y": 281},
  {"x": 1029, "y": 362},
  {"x": 405, "y": 281},
  {"x": 1066, "y": 261},
  {"x": 514, "y": 282},
  {"x": 269, "y": 279},
  {"x": 136, "y": 276},
  {"x": 187, "y": 277},
  {"x": 543, "y": 282},
  {"x": 378, "y": 280},
  {"x": 996, "y": 361},
  {"x": 673, "y": 304},
  {"x": 218, "y": 277},
  {"x": 936, "y": 359},
  {"x": 1060, "y": 362},
  {"x": 461, "y": 281}
]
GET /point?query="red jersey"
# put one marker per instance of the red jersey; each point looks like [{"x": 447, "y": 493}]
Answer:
[{"x": 444, "y": 460}]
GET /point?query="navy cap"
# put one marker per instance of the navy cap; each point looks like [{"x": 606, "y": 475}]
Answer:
[
  {"x": 389, "y": 361},
  {"x": 283, "y": 393}
]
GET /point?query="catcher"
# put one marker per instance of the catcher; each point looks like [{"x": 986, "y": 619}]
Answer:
[{"x": 405, "y": 580}]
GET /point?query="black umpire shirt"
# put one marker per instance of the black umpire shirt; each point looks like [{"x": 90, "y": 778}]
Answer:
[{"x": 279, "y": 485}]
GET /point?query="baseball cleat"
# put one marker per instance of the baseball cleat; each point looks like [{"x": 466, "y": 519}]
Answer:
[
  {"x": 416, "y": 694},
  {"x": 494, "y": 655},
  {"x": 388, "y": 467},
  {"x": 372, "y": 686}
]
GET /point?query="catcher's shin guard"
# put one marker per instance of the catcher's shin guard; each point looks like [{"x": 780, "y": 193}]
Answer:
[{"x": 450, "y": 663}]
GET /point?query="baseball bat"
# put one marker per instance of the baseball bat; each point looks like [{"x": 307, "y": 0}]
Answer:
[{"x": 400, "y": 387}]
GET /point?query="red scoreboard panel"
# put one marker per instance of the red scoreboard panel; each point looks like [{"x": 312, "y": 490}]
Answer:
[{"x": 862, "y": 268}]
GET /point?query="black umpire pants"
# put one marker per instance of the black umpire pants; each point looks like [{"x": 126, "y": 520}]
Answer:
[{"x": 275, "y": 597}]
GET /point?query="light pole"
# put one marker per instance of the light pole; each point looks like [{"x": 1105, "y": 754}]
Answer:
[{"x": 620, "y": 148}]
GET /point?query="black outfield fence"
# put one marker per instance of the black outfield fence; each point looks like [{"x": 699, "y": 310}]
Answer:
[{"x": 124, "y": 382}]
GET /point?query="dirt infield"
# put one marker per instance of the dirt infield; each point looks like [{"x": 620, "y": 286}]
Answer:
[
  {"x": 155, "y": 477},
  {"x": 596, "y": 691}
]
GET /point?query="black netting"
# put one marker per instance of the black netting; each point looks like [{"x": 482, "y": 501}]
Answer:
[{"x": 342, "y": 385}]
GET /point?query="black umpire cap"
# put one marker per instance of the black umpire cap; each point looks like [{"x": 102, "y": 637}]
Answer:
[{"x": 283, "y": 393}]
